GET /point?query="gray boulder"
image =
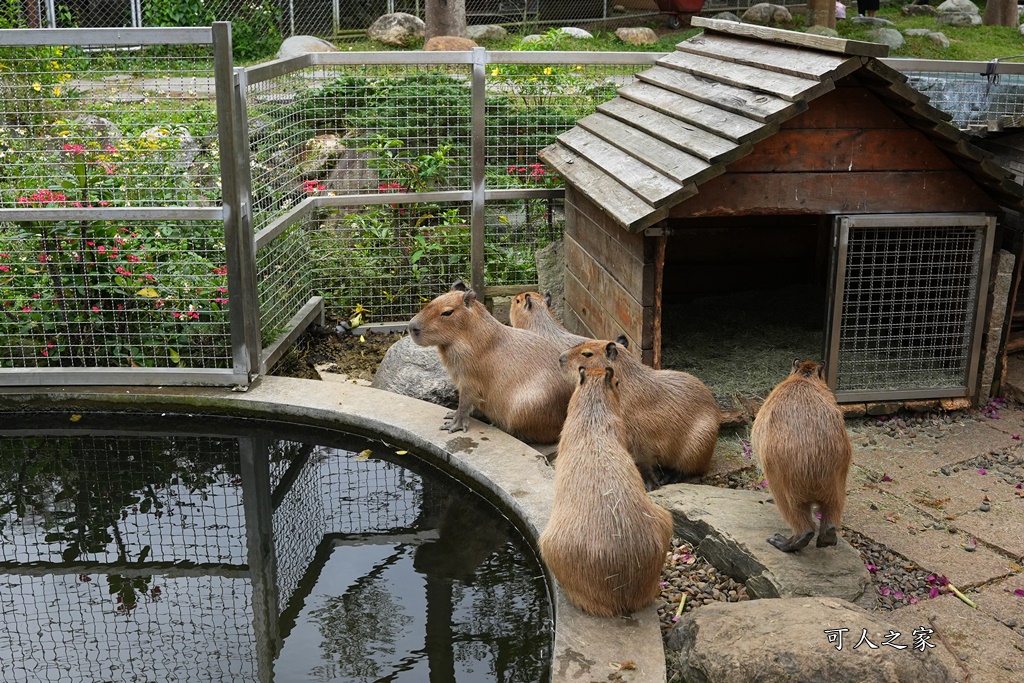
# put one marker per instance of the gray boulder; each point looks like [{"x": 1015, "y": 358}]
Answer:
[
  {"x": 413, "y": 370},
  {"x": 300, "y": 45},
  {"x": 551, "y": 275},
  {"x": 178, "y": 140},
  {"x": 641, "y": 35},
  {"x": 767, "y": 14},
  {"x": 574, "y": 32},
  {"x": 730, "y": 529},
  {"x": 822, "y": 31},
  {"x": 916, "y": 31},
  {"x": 397, "y": 28},
  {"x": 790, "y": 640},
  {"x": 918, "y": 11},
  {"x": 485, "y": 32},
  {"x": 958, "y": 13},
  {"x": 939, "y": 39},
  {"x": 877, "y": 22},
  {"x": 1021, "y": 29},
  {"x": 962, "y": 6},
  {"x": 532, "y": 38},
  {"x": 887, "y": 36},
  {"x": 726, "y": 16},
  {"x": 105, "y": 132}
]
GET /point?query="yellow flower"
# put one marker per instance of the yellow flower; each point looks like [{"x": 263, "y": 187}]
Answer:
[
  {"x": 56, "y": 92},
  {"x": 547, "y": 71},
  {"x": 495, "y": 71},
  {"x": 36, "y": 86},
  {"x": 579, "y": 68}
]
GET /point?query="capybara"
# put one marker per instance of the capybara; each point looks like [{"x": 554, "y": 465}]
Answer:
[
  {"x": 673, "y": 417},
  {"x": 531, "y": 311},
  {"x": 605, "y": 541},
  {"x": 511, "y": 376},
  {"x": 803, "y": 449}
]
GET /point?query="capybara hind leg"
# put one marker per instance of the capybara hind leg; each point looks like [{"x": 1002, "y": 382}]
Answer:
[
  {"x": 793, "y": 543},
  {"x": 647, "y": 474},
  {"x": 827, "y": 531}
]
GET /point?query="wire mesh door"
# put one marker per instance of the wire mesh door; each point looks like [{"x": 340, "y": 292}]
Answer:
[{"x": 908, "y": 305}]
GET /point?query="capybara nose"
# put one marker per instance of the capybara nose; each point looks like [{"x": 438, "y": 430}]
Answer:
[{"x": 414, "y": 329}]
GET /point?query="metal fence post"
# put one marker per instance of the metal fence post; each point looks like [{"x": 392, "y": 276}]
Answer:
[
  {"x": 478, "y": 145},
  {"x": 238, "y": 240}
]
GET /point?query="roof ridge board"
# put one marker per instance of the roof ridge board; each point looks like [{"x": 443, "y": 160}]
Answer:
[
  {"x": 818, "y": 65},
  {"x": 784, "y": 37},
  {"x": 746, "y": 77},
  {"x": 641, "y": 179},
  {"x": 727, "y": 124},
  {"x": 758, "y": 106},
  {"x": 676, "y": 163},
  {"x": 624, "y": 207},
  {"x": 687, "y": 137}
]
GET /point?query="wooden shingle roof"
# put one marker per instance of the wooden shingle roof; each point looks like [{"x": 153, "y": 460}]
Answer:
[{"x": 705, "y": 105}]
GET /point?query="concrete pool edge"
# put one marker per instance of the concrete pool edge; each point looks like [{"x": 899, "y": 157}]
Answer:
[{"x": 585, "y": 647}]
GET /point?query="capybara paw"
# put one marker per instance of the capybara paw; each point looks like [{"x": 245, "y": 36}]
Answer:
[
  {"x": 782, "y": 543},
  {"x": 456, "y": 426},
  {"x": 449, "y": 415},
  {"x": 827, "y": 537}
]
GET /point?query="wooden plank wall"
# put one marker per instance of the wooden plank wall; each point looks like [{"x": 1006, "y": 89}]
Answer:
[
  {"x": 609, "y": 278},
  {"x": 848, "y": 153}
]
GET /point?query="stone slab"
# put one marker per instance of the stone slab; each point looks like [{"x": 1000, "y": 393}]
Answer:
[
  {"x": 959, "y": 443},
  {"x": 998, "y": 600},
  {"x": 730, "y": 529},
  {"x": 971, "y": 640},
  {"x": 1010, "y": 421},
  {"x": 939, "y": 495},
  {"x": 907, "y": 531},
  {"x": 1001, "y": 527}
]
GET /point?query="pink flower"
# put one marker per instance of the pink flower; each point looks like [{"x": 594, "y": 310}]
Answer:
[
  {"x": 26, "y": 309},
  {"x": 102, "y": 249},
  {"x": 74, "y": 149},
  {"x": 95, "y": 309},
  {"x": 312, "y": 186},
  {"x": 45, "y": 352},
  {"x": 5, "y": 269}
]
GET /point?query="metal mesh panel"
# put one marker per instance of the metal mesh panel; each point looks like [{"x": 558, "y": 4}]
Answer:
[
  {"x": 357, "y": 129},
  {"x": 104, "y": 126},
  {"x": 386, "y": 261},
  {"x": 909, "y": 305},
  {"x": 972, "y": 98},
  {"x": 113, "y": 294},
  {"x": 284, "y": 278},
  {"x": 515, "y": 231}
]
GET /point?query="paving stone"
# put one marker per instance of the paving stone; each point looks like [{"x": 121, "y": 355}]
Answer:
[
  {"x": 985, "y": 648},
  {"x": 998, "y": 600},
  {"x": 961, "y": 442},
  {"x": 1011, "y": 421},
  {"x": 935, "y": 550},
  {"x": 1002, "y": 526},
  {"x": 730, "y": 529},
  {"x": 939, "y": 495}
]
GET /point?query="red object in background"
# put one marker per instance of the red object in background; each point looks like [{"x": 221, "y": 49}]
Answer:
[{"x": 678, "y": 10}]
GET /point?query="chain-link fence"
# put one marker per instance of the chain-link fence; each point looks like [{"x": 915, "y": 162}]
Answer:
[{"x": 972, "y": 93}]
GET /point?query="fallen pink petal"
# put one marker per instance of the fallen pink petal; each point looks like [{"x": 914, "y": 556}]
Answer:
[
  {"x": 1019, "y": 592},
  {"x": 933, "y": 592},
  {"x": 982, "y": 470},
  {"x": 886, "y": 477}
]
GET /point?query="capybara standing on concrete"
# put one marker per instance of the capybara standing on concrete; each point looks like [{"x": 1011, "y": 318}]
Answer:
[
  {"x": 511, "y": 376},
  {"x": 673, "y": 417},
  {"x": 531, "y": 311},
  {"x": 802, "y": 446},
  {"x": 605, "y": 541}
]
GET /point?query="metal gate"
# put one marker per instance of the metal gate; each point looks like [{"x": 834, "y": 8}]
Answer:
[{"x": 908, "y": 305}]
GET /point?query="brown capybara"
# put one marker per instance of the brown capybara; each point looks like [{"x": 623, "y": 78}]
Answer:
[
  {"x": 803, "y": 449},
  {"x": 531, "y": 311},
  {"x": 606, "y": 541},
  {"x": 511, "y": 376},
  {"x": 673, "y": 417}
]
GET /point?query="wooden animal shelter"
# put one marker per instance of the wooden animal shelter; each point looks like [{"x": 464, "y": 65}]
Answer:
[{"x": 798, "y": 178}]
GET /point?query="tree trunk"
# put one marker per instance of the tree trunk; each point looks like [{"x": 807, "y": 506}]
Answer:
[
  {"x": 1000, "y": 13},
  {"x": 822, "y": 13},
  {"x": 445, "y": 18}
]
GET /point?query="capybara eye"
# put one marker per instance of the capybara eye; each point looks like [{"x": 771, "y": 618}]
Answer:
[
  {"x": 447, "y": 313},
  {"x": 587, "y": 354}
]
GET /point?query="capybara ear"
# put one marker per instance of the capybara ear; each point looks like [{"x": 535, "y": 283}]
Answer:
[
  {"x": 469, "y": 297},
  {"x": 583, "y": 374},
  {"x": 547, "y": 299},
  {"x": 623, "y": 341},
  {"x": 611, "y": 351},
  {"x": 796, "y": 365},
  {"x": 459, "y": 286},
  {"x": 609, "y": 375},
  {"x": 527, "y": 302},
  {"x": 821, "y": 371}
]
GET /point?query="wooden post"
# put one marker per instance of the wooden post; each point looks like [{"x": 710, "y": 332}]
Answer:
[{"x": 659, "y": 279}]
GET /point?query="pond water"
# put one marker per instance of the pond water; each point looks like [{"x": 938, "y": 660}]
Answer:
[{"x": 180, "y": 549}]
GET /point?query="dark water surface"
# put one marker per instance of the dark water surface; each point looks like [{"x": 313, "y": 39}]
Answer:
[{"x": 179, "y": 549}]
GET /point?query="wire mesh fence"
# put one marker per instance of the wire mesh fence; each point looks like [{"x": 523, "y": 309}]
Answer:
[
  {"x": 909, "y": 306},
  {"x": 978, "y": 98}
]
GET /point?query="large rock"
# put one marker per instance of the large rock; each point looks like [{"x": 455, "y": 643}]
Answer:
[
  {"x": 397, "y": 28},
  {"x": 485, "y": 32},
  {"x": 300, "y": 45},
  {"x": 918, "y": 11},
  {"x": 104, "y": 132},
  {"x": 551, "y": 275},
  {"x": 641, "y": 35},
  {"x": 767, "y": 14},
  {"x": 822, "y": 31},
  {"x": 446, "y": 43},
  {"x": 887, "y": 36},
  {"x": 726, "y": 16},
  {"x": 916, "y": 31},
  {"x": 877, "y": 22},
  {"x": 958, "y": 13},
  {"x": 175, "y": 138},
  {"x": 962, "y": 6},
  {"x": 730, "y": 529},
  {"x": 789, "y": 640},
  {"x": 574, "y": 32},
  {"x": 413, "y": 370},
  {"x": 939, "y": 39}
]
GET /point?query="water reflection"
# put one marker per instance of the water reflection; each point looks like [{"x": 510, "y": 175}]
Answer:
[{"x": 251, "y": 552}]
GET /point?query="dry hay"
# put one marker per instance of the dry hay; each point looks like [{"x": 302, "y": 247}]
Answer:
[{"x": 744, "y": 343}]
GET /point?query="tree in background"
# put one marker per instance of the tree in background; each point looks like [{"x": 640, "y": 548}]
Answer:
[
  {"x": 445, "y": 18},
  {"x": 1000, "y": 13}
]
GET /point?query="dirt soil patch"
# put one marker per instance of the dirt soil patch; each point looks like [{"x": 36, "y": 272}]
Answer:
[{"x": 322, "y": 348}]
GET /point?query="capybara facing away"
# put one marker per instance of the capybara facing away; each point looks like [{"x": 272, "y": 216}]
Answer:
[
  {"x": 531, "y": 311},
  {"x": 606, "y": 541},
  {"x": 803, "y": 449},
  {"x": 512, "y": 376},
  {"x": 673, "y": 417}
]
